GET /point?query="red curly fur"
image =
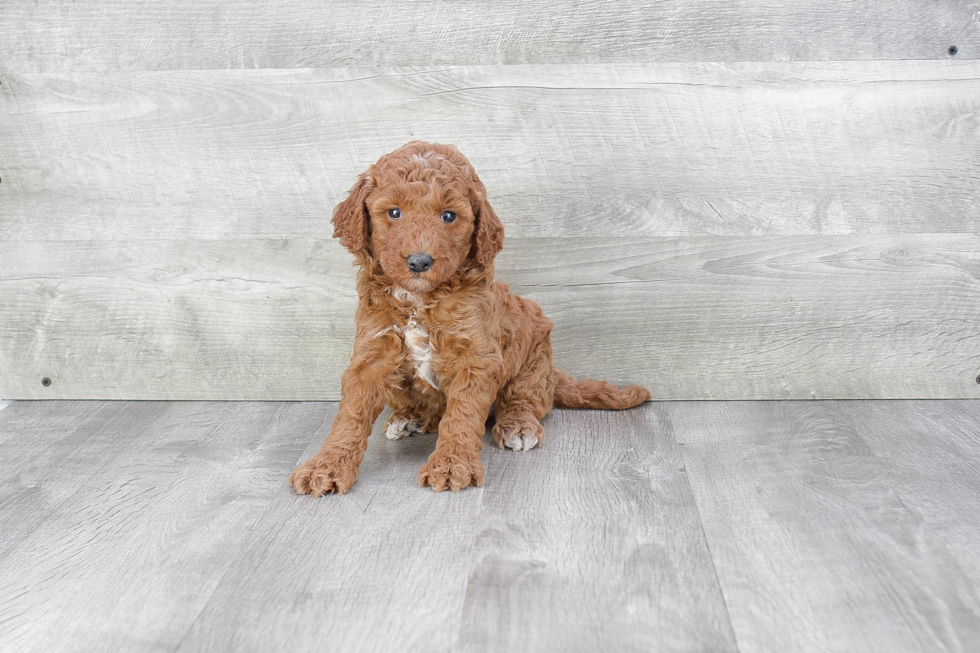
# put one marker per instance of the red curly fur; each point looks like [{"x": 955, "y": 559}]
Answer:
[{"x": 442, "y": 346}]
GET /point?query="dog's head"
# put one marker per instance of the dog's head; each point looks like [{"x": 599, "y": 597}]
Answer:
[{"x": 422, "y": 213}]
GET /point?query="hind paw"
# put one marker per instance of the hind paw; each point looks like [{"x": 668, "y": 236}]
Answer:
[
  {"x": 399, "y": 426},
  {"x": 522, "y": 435}
]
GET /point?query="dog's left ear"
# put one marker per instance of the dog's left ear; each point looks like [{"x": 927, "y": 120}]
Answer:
[
  {"x": 489, "y": 233},
  {"x": 350, "y": 218}
]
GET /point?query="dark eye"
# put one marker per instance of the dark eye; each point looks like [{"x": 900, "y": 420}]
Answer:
[
  {"x": 394, "y": 214},
  {"x": 448, "y": 216}
]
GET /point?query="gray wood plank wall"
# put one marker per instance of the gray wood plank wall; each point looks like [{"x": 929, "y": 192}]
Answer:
[
  {"x": 709, "y": 199},
  {"x": 725, "y": 149},
  {"x": 696, "y": 317},
  {"x": 52, "y": 35}
]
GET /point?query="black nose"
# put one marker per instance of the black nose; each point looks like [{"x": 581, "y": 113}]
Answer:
[{"x": 419, "y": 262}]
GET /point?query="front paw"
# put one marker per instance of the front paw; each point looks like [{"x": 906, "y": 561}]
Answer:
[
  {"x": 323, "y": 474},
  {"x": 454, "y": 472}
]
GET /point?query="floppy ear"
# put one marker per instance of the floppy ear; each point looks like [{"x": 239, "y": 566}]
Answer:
[
  {"x": 350, "y": 218},
  {"x": 488, "y": 237}
]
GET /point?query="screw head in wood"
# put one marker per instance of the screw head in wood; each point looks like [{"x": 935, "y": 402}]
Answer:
[
  {"x": 45, "y": 382},
  {"x": 978, "y": 379},
  {"x": 952, "y": 50}
]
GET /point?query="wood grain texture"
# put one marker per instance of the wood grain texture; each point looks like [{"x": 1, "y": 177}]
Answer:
[
  {"x": 931, "y": 456},
  {"x": 32, "y": 433},
  {"x": 715, "y": 526},
  {"x": 50, "y": 36},
  {"x": 121, "y": 518},
  {"x": 593, "y": 543},
  {"x": 383, "y": 567},
  {"x": 537, "y": 559},
  {"x": 598, "y": 527},
  {"x": 583, "y": 150},
  {"x": 823, "y": 541},
  {"x": 177, "y": 319},
  {"x": 691, "y": 318}
]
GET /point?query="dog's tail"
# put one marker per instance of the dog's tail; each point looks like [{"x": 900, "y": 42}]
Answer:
[{"x": 570, "y": 393}]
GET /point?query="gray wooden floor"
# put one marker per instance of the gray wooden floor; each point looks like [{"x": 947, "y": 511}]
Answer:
[{"x": 751, "y": 526}]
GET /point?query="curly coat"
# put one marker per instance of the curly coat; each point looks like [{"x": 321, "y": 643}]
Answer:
[{"x": 437, "y": 338}]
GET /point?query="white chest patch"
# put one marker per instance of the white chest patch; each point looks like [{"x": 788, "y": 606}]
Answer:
[
  {"x": 417, "y": 340},
  {"x": 406, "y": 296}
]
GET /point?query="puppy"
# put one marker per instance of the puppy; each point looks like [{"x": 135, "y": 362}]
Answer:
[{"x": 437, "y": 338}]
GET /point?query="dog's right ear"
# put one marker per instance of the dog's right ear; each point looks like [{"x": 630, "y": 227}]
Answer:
[{"x": 350, "y": 218}]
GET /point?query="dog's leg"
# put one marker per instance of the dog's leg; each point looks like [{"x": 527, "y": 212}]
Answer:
[
  {"x": 524, "y": 401},
  {"x": 363, "y": 391},
  {"x": 455, "y": 464},
  {"x": 517, "y": 428}
]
